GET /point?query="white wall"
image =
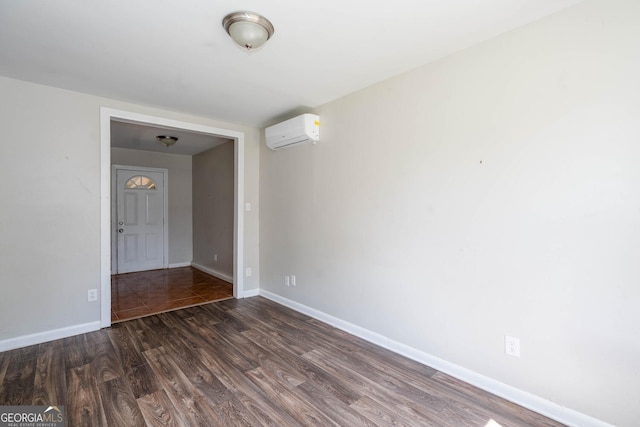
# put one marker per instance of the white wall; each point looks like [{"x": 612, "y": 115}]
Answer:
[
  {"x": 50, "y": 216},
  {"x": 179, "y": 193},
  {"x": 493, "y": 192},
  {"x": 213, "y": 209}
]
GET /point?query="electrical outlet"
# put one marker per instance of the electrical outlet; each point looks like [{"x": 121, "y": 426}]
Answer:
[
  {"x": 512, "y": 346},
  {"x": 287, "y": 281},
  {"x": 215, "y": 257},
  {"x": 92, "y": 295},
  {"x": 293, "y": 280},
  {"x": 247, "y": 271}
]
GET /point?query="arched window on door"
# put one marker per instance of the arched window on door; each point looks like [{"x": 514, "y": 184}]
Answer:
[{"x": 140, "y": 182}]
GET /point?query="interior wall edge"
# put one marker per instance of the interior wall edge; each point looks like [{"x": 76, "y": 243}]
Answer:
[
  {"x": 212, "y": 272},
  {"x": 180, "y": 264},
  {"x": 251, "y": 293}
]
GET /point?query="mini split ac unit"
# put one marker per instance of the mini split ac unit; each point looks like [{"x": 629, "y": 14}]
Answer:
[{"x": 298, "y": 130}]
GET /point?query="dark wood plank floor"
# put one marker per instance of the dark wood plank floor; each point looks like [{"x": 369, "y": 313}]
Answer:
[
  {"x": 144, "y": 293},
  {"x": 244, "y": 362}
]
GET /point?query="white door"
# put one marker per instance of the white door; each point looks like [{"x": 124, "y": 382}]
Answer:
[{"x": 140, "y": 220}]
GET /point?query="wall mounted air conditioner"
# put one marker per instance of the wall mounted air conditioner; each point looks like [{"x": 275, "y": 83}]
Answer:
[{"x": 298, "y": 130}]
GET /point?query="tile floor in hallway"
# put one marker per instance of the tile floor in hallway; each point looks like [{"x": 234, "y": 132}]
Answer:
[{"x": 144, "y": 293}]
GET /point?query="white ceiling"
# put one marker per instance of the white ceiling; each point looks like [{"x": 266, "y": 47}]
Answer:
[
  {"x": 135, "y": 136},
  {"x": 175, "y": 54}
]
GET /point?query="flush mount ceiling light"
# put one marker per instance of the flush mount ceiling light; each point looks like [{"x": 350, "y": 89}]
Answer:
[
  {"x": 249, "y": 30},
  {"x": 167, "y": 141}
]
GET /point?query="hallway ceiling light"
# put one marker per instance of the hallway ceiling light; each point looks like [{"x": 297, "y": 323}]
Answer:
[
  {"x": 167, "y": 141},
  {"x": 249, "y": 30}
]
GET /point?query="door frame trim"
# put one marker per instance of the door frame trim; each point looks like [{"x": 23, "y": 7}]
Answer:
[
  {"x": 109, "y": 114},
  {"x": 114, "y": 204}
]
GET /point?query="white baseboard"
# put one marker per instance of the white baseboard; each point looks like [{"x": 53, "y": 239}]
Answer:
[
  {"x": 212, "y": 272},
  {"x": 251, "y": 293},
  {"x": 180, "y": 264},
  {"x": 530, "y": 401},
  {"x": 55, "y": 334}
]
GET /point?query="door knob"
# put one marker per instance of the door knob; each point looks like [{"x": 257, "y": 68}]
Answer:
[
  {"x": 120, "y": 230},
  {"x": 121, "y": 223}
]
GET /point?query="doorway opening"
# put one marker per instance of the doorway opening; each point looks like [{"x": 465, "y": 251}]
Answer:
[{"x": 236, "y": 138}]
